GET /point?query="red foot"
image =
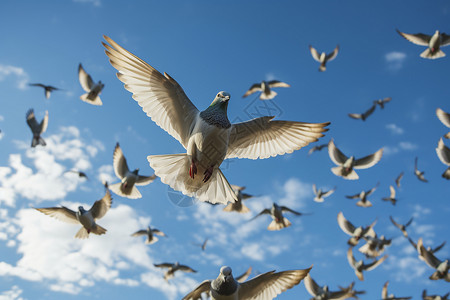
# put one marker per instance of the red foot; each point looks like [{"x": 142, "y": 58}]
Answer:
[
  {"x": 208, "y": 174},
  {"x": 192, "y": 170}
]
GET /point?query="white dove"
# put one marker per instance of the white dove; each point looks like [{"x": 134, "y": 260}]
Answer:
[
  {"x": 207, "y": 136},
  {"x": 443, "y": 152},
  {"x": 323, "y": 58},
  {"x": 433, "y": 42},
  {"x": 265, "y": 88},
  {"x": 150, "y": 233},
  {"x": 87, "y": 218},
  {"x": 360, "y": 266},
  {"x": 323, "y": 293},
  {"x": 92, "y": 89},
  {"x": 238, "y": 206},
  {"x": 356, "y": 233},
  {"x": 320, "y": 195},
  {"x": 37, "y": 128}
]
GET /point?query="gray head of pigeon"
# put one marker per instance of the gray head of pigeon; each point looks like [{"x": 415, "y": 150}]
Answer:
[
  {"x": 225, "y": 284},
  {"x": 216, "y": 113},
  {"x": 81, "y": 209},
  {"x": 135, "y": 172}
]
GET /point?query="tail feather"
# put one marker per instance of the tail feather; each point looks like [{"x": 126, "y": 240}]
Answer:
[
  {"x": 38, "y": 141},
  {"x": 133, "y": 193},
  {"x": 154, "y": 240},
  {"x": 446, "y": 174},
  {"x": 322, "y": 67},
  {"x": 98, "y": 230},
  {"x": 432, "y": 55},
  {"x": 338, "y": 171},
  {"x": 269, "y": 96},
  {"x": 274, "y": 225},
  {"x": 96, "y": 101},
  {"x": 364, "y": 204},
  {"x": 82, "y": 233}
]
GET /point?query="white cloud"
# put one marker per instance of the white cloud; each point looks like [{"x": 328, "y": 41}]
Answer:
[
  {"x": 296, "y": 192},
  {"x": 96, "y": 3},
  {"x": 106, "y": 174},
  {"x": 401, "y": 146},
  {"x": 394, "y": 129},
  {"x": 13, "y": 294},
  {"x": 395, "y": 60},
  {"x": 181, "y": 284},
  {"x": 19, "y": 73}
]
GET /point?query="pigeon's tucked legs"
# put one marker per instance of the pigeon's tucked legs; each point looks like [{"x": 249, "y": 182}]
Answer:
[
  {"x": 193, "y": 169},
  {"x": 208, "y": 173}
]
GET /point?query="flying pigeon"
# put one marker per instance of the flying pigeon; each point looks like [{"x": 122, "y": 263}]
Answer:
[
  {"x": 323, "y": 58},
  {"x": 37, "y": 129},
  {"x": 276, "y": 212},
  {"x": 397, "y": 180},
  {"x": 207, "y": 136},
  {"x": 320, "y": 195},
  {"x": 92, "y": 89},
  {"x": 443, "y": 152},
  {"x": 356, "y": 233},
  {"x": 445, "y": 119},
  {"x": 264, "y": 286},
  {"x": 434, "y": 297},
  {"x": 317, "y": 148},
  {"x": 265, "y": 88},
  {"x": 391, "y": 196},
  {"x": 429, "y": 249},
  {"x": 433, "y": 42},
  {"x": 47, "y": 88},
  {"x": 345, "y": 165},
  {"x": 238, "y": 206},
  {"x": 419, "y": 174},
  {"x": 385, "y": 296},
  {"x": 84, "y": 217},
  {"x": 126, "y": 188},
  {"x": 241, "y": 278},
  {"x": 363, "y": 202},
  {"x": 351, "y": 292},
  {"x": 402, "y": 227},
  {"x": 442, "y": 267},
  {"x": 364, "y": 115},
  {"x": 381, "y": 102},
  {"x": 360, "y": 266},
  {"x": 374, "y": 246},
  {"x": 202, "y": 245},
  {"x": 172, "y": 268},
  {"x": 322, "y": 292},
  {"x": 79, "y": 173},
  {"x": 150, "y": 233}
]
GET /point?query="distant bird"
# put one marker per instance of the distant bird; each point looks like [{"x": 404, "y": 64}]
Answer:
[
  {"x": 322, "y": 292},
  {"x": 356, "y": 233},
  {"x": 264, "y": 286},
  {"x": 238, "y": 206},
  {"x": 385, "y": 296},
  {"x": 345, "y": 165},
  {"x": 47, "y": 88},
  {"x": 172, "y": 268},
  {"x": 419, "y": 174},
  {"x": 320, "y": 195},
  {"x": 445, "y": 119},
  {"x": 434, "y": 297},
  {"x": 381, "y": 102},
  {"x": 364, "y": 115},
  {"x": 207, "y": 136},
  {"x": 442, "y": 267},
  {"x": 79, "y": 173},
  {"x": 150, "y": 233},
  {"x": 202, "y": 245},
  {"x": 443, "y": 152},
  {"x": 92, "y": 89},
  {"x": 351, "y": 292},
  {"x": 278, "y": 220},
  {"x": 37, "y": 128},
  {"x": 360, "y": 266},
  {"x": 402, "y": 227},
  {"x": 398, "y": 179},
  {"x": 317, "y": 148},
  {"x": 129, "y": 180},
  {"x": 362, "y": 196},
  {"x": 433, "y": 42},
  {"x": 374, "y": 246},
  {"x": 323, "y": 58},
  {"x": 429, "y": 249},
  {"x": 265, "y": 88},
  {"x": 391, "y": 197},
  {"x": 84, "y": 217}
]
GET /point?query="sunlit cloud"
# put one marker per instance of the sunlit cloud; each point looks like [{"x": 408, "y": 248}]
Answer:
[
  {"x": 394, "y": 129},
  {"x": 395, "y": 60},
  {"x": 12, "y": 294},
  {"x": 20, "y": 75},
  {"x": 401, "y": 146}
]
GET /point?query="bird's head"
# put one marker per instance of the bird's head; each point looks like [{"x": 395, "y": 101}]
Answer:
[
  {"x": 226, "y": 273},
  {"x": 136, "y": 171},
  {"x": 81, "y": 209},
  {"x": 221, "y": 100}
]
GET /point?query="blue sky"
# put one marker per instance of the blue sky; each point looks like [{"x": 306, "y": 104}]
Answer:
[{"x": 207, "y": 47}]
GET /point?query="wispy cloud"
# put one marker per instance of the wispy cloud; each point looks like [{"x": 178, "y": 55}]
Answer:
[
  {"x": 394, "y": 129},
  {"x": 96, "y": 3},
  {"x": 401, "y": 146},
  {"x": 395, "y": 60},
  {"x": 19, "y": 73}
]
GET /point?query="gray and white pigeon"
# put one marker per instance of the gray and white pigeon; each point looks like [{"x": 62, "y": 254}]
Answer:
[
  {"x": 445, "y": 119},
  {"x": 264, "y": 286},
  {"x": 402, "y": 227},
  {"x": 238, "y": 206},
  {"x": 362, "y": 196},
  {"x": 364, "y": 115},
  {"x": 419, "y": 174},
  {"x": 360, "y": 266},
  {"x": 356, "y": 233},
  {"x": 434, "y": 297},
  {"x": 150, "y": 233},
  {"x": 374, "y": 246},
  {"x": 381, "y": 102},
  {"x": 48, "y": 89},
  {"x": 398, "y": 179},
  {"x": 92, "y": 89},
  {"x": 352, "y": 293},
  {"x": 84, "y": 217},
  {"x": 172, "y": 268},
  {"x": 322, "y": 292},
  {"x": 346, "y": 165},
  {"x": 323, "y": 58},
  {"x": 443, "y": 152},
  {"x": 278, "y": 220},
  {"x": 265, "y": 87},
  {"x": 317, "y": 148},
  {"x": 207, "y": 136},
  {"x": 392, "y": 195},
  {"x": 37, "y": 128},
  {"x": 79, "y": 173},
  {"x": 442, "y": 267},
  {"x": 433, "y": 42},
  {"x": 429, "y": 249},
  {"x": 320, "y": 195},
  {"x": 128, "y": 180},
  {"x": 202, "y": 245},
  {"x": 385, "y": 296}
]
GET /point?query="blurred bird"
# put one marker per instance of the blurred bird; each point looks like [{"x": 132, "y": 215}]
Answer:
[
  {"x": 381, "y": 102},
  {"x": 347, "y": 164},
  {"x": 265, "y": 88},
  {"x": 433, "y": 42},
  {"x": 276, "y": 212},
  {"x": 391, "y": 197},
  {"x": 322, "y": 292},
  {"x": 351, "y": 292},
  {"x": 265, "y": 286},
  {"x": 374, "y": 246},
  {"x": 317, "y": 148},
  {"x": 401, "y": 226},
  {"x": 434, "y": 297},
  {"x": 238, "y": 206},
  {"x": 202, "y": 245},
  {"x": 47, "y": 88},
  {"x": 443, "y": 152},
  {"x": 37, "y": 128},
  {"x": 364, "y": 115},
  {"x": 207, "y": 136},
  {"x": 429, "y": 249},
  {"x": 84, "y": 217},
  {"x": 172, "y": 268},
  {"x": 445, "y": 119},
  {"x": 129, "y": 180},
  {"x": 79, "y": 173},
  {"x": 320, "y": 195},
  {"x": 385, "y": 296},
  {"x": 398, "y": 179},
  {"x": 150, "y": 233},
  {"x": 419, "y": 174},
  {"x": 363, "y": 202},
  {"x": 323, "y": 58},
  {"x": 356, "y": 233},
  {"x": 442, "y": 267},
  {"x": 92, "y": 89},
  {"x": 359, "y": 266}
]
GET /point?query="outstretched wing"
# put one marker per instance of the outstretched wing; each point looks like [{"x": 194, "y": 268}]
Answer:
[
  {"x": 160, "y": 96},
  {"x": 144, "y": 180},
  {"x": 61, "y": 213},
  {"x": 345, "y": 225},
  {"x": 335, "y": 154},
  {"x": 196, "y": 294},
  {"x": 253, "y": 89},
  {"x": 443, "y": 117},
  {"x": 119, "y": 162},
  {"x": 101, "y": 206},
  {"x": 314, "y": 53},
  {"x": 418, "y": 38},
  {"x": 263, "y": 138},
  {"x": 369, "y": 160},
  {"x": 44, "y": 123},
  {"x": 333, "y": 54},
  {"x": 85, "y": 79},
  {"x": 311, "y": 286},
  {"x": 276, "y": 83}
]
